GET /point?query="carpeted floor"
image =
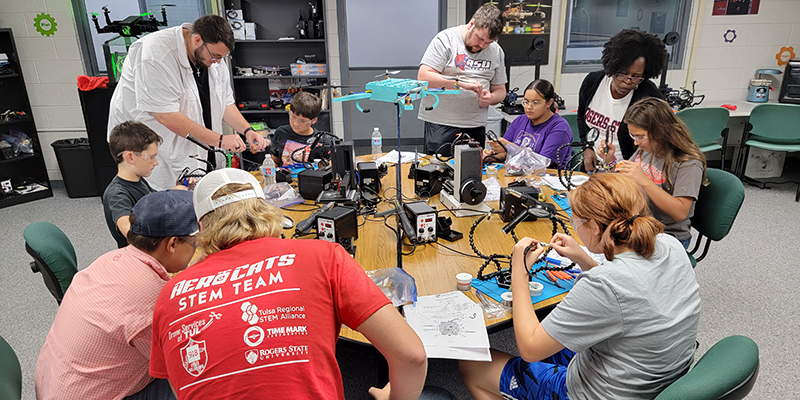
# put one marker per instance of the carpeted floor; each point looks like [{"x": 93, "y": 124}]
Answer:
[{"x": 747, "y": 286}]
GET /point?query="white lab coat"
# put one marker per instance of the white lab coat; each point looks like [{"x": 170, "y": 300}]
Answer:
[{"x": 157, "y": 77}]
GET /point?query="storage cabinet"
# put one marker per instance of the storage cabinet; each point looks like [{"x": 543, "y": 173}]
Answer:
[
  {"x": 28, "y": 173},
  {"x": 275, "y": 19}
]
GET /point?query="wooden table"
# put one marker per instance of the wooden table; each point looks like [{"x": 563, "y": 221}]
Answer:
[{"x": 433, "y": 266}]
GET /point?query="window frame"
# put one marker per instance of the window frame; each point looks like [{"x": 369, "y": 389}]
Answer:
[{"x": 678, "y": 49}]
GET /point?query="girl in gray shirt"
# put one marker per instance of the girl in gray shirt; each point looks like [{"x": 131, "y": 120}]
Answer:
[{"x": 626, "y": 330}]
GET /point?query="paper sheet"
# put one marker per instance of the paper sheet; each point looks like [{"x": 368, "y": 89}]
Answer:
[
  {"x": 554, "y": 183},
  {"x": 450, "y": 325},
  {"x": 391, "y": 157},
  {"x": 492, "y": 189}
]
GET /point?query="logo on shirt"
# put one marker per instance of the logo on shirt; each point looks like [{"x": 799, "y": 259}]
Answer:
[
  {"x": 251, "y": 356},
  {"x": 253, "y": 336},
  {"x": 194, "y": 357},
  {"x": 465, "y": 63},
  {"x": 249, "y": 313}
]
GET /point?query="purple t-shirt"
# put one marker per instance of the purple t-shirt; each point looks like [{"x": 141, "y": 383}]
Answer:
[{"x": 544, "y": 139}]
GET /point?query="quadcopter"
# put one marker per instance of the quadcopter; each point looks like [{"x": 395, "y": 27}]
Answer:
[
  {"x": 133, "y": 26},
  {"x": 399, "y": 91}
]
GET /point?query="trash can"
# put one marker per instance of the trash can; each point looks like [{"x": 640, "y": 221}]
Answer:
[{"x": 75, "y": 162}]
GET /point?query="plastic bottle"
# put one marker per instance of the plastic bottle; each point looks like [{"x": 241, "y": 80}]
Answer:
[
  {"x": 268, "y": 170},
  {"x": 377, "y": 143}
]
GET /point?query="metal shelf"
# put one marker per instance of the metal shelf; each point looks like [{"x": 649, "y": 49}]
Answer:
[{"x": 325, "y": 76}]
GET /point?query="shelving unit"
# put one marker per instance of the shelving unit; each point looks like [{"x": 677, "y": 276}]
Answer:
[
  {"x": 24, "y": 169},
  {"x": 276, "y": 19}
]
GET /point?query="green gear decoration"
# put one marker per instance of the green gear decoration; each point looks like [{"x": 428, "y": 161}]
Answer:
[{"x": 45, "y": 24}]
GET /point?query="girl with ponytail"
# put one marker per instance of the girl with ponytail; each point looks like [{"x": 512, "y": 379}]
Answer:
[{"x": 626, "y": 329}]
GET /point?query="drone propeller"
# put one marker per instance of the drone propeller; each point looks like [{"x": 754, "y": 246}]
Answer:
[
  {"x": 169, "y": 5},
  {"x": 387, "y": 73},
  {"x": 537, "y": 5}
]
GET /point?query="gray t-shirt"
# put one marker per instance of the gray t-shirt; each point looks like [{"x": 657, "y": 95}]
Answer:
[
  {"x": 118, "y": 201},
  {"x": 447, "y": 54},
  {"x": 686, "y": 179},
  {"x": 632, "y": 323}
]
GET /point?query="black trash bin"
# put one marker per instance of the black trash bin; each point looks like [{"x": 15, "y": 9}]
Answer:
[{"x": 75, "y": 162}]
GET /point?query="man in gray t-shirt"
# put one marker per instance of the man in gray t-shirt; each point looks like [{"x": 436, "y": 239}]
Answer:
[{"x": 471, "y": 53}]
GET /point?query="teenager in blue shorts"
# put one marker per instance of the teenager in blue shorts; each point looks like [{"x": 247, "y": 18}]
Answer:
[{"x": 626, "y": 330}]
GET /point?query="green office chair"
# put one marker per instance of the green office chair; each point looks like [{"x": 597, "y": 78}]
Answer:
[
  {"x": 53, "y": 256},
  {"x": 708, "y": 125},
  {"x": 10, "y": 373},
  {"x": 572, "y": 119},
  {"x": 716, "y": 209},
  {"x": 774, "y": 127},
  {"x": 727, "y": 371}
]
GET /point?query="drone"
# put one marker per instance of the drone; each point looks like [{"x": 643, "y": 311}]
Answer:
[
  {"x": 399, "y": 91},
  {"x": 133, "y": 26}
]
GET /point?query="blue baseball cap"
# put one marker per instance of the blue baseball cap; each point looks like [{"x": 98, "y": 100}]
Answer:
[{"x": 165, "y": 214}]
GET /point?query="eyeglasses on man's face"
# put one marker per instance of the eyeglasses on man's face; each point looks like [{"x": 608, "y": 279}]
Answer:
[{"x": 214, "y": 57}]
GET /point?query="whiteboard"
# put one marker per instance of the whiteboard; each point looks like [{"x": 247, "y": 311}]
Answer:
[{"x": 389, "y": 34}]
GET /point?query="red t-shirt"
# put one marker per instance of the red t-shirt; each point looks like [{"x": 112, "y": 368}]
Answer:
[{"x": 261, "y": 319}]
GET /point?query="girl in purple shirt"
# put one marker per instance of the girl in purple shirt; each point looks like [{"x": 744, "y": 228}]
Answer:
[{"x": 540, "y": 129}]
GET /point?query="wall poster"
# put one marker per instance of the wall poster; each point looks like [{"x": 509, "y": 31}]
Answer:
[{"x": 735, "y": 7}]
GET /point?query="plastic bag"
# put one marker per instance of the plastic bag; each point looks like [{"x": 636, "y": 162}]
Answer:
[
  {"x": 523, "y": 161},
  {"x": 396, "y": 284},
  {"x": 491, "y": 309},
  {"x": 281, "y": 195},
  {"x": 25, "y": 144}
]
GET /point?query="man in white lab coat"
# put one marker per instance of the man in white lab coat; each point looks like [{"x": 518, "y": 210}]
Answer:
[{"x": 175, "y": 82}]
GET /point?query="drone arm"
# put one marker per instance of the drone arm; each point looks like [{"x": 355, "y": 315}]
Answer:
[
  {"x": 163, "y": 16},
  {"x": 358, "y": 107},
  {"x": 96, "y": 23},
  {"x": 106, "y": 12}
]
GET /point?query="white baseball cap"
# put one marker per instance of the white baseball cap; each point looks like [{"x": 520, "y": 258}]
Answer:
[{"x": 209, "y": 184}]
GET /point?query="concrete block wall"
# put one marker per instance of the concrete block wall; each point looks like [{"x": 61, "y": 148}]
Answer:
[
  {"x": 723, "y": 69},
  {"x": 50, "y": 66}
]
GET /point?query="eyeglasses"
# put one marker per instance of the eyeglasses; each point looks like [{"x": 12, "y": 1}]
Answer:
[
  {"x": 147, "y": 157},
  {"x": 638, "y": 138},
  {"x": 214, "y": 57},
  {"x": 576, "y": 222},
  {"x": 189, "y": 239},
  {"x": 531, "y": 104},
  {"x": 633, "y": 79},
  {"x": 298, "y": 119}
]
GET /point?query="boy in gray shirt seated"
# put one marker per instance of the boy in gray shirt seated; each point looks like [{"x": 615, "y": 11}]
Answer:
[{"x": 134, "y": 147}]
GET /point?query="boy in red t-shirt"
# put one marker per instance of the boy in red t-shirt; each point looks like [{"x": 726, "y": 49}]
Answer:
[{"x": 262, "y": 314}]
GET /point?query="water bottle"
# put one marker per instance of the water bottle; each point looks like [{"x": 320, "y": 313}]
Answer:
[
  {"x": 377, "y": 142},
  {"x": 268, "y": 170}
]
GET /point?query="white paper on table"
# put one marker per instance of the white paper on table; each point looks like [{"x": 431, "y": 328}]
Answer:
[
  {"x": 405, "y": 157},
  {"x": 450, "y": 325},
  {"x": 492, "y": 189},
  {"x": 554, "y": 183}
]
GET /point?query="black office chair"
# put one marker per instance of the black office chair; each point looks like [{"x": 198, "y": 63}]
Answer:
[{"x": 53, "y": 256}]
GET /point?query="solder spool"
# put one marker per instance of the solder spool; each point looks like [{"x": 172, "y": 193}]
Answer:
[
  {"x": 507, "y": 299},
  {"x": 535, "y": 288}
]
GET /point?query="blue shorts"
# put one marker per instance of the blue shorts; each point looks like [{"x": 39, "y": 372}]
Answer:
[{"x": 542, "y": 380}]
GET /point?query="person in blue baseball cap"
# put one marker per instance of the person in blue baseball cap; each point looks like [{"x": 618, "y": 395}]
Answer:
[{"x": 99, "y": 344}]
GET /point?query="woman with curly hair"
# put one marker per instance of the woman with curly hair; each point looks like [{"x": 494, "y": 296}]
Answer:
[
  {"x": 626, "y": 329},
  {"x": 668, "y": 165},
  {"x": 630, "y": 59}
]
